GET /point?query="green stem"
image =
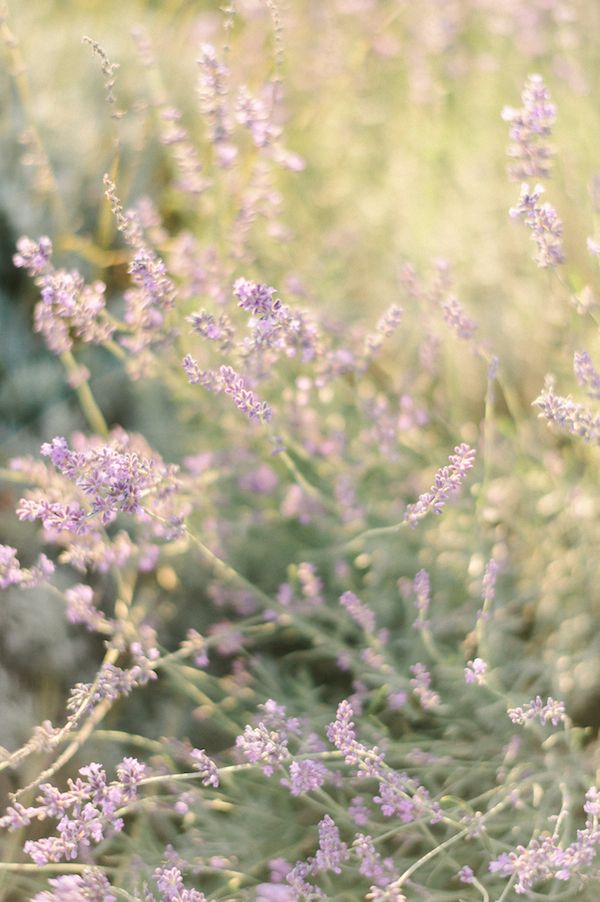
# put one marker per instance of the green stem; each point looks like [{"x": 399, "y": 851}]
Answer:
[{"x": 91, "y": 411}]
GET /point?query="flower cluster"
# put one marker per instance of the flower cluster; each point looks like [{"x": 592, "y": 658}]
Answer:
[
  {"x": 85, "y": 811},
  {"x": 69, "y": 308},
  {"x": 568, "y": 415},
  {"x": 551, "y": 711},
  {"x": 586, "y": 373},
  {"x": 448, "y": 480},
  {"x": 112, "y": 478},
  {"x": 228, "y": 381},
  {"x": 475, "y": 671},
  {"x": 544, "y": 224},
  {"x": 90, "y": 885},
  {"x": 546, "y": 858},
  {"x": 530, "y": 127},
  {"x": 421, "y": 683},
  {"x": 12, "y": 574},
  {"x": 359, "y": 611}
]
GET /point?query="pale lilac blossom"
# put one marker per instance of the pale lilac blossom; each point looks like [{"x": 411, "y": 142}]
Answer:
[
  {"x": 545, "y": 226},
  {"x": 530, "y": 128},
  {"x": 568, "y": 415},
  {"x": 551, "y": 711},
  {"x": 447, "y": 482},
  {"x": 475, "y": 671},
  {"x": 586, "y": 373}
]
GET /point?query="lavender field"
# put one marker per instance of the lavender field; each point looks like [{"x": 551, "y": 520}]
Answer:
[{"x": 299, "y": 451}]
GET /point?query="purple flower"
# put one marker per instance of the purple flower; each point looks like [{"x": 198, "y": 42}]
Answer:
[
  {"x": 169, "y": 881},
  {"x": 421, "y": 684},
  {"x": 261, "y": 746},
  {"x": 422, "y": 590},
  {"x": 530, "y": 127},
  {"x": 551, "y": 711},
  {"x": 402, "y": 796},
  {"x": 447, "y": 482},
  {"x": 475, "y": 671},
  {"x": 358, "y": 811},
  {"x": 368, "y": 761},
  {"x": 12, "y": 574},
  {"x": 568, "y": 415},
  {"x": 306, "y": 775},
  {"x": 466, "y": 875},
  {"x": 587, "y": 375},
  {"x": 84, "y": 811},
  {"x": 256, "y": 299},
  {"x": 457, "y": 319},
  {"x": 341, "y": 731},
  {"x": 332, "y": 852},
  {"x": 545, "y": 226},
  {"x": 359, "y": 611},
  {"x": 207, "y": 767},
  {"x": 80, "y": 607},
  {"x": 371, "y": 863},
  {"x": 91, "y": 884},
  {"x": 312, "y": 586},
  {"x": 111, "y": 476},
  {"x": 33, "y": 256}
]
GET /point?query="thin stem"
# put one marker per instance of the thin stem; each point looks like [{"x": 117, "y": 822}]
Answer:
[{"x": 90, "y": 408}]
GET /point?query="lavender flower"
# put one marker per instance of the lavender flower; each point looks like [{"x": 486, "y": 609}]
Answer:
[
  {"x": 88, "y": 886},
  {"x": 568, "y": 415},
  {"x": 12, "y": 574},
  {"x": 212, "y": 89},
  {"x": 252, "y": 114},
  {"x": 306, "y": 775},
  {"x": 358, "y": 811},
  {"x": 447, "y": 482},
  {"x": 111, "y": 683},
  {"x": 244, "y": 398},
  {"x": 34, "y": 256},
  {"x": 341, "y": 733},
  {"x": 552, "y": 711},
  {"x": 115, "y": 479},
  {"x": 219, "y": 330},
  {"x": 169, "y": 881},
  {"x": 332, "y": 852},
  {"x": 457, "y": 319},
  {"x": 69, "y": 308},
  {"x": 421, "y": 684},
  {"x": 545, "y": 226},
  {"x": 466, "y": 875},
  {"x": 475, "y": 671},
  {"x": 359, "y": 611},
  {"x": 371, "y": 863},
  {"x": 422, "y": 590},
  {"x": 256, "y": 299},
  {"x": 530, "y": 127},
  {"x": 488, "y": 584},
  {"x": 261, "y": 746},
  {"x": 385, "y": 328},
  {"x": 81, "y": 609},
  {"x": 402, "y": 796},
  {"x": 312, "y": 585},
  {"x": 207, "y": 767},
  {"x": 545, "y": 857},
  {"x": 85, "y": 811},
  {"x": 587, "y": 375}
]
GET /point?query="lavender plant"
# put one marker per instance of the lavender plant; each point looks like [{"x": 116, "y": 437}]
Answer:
[{"x": 313, "y": 661}]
